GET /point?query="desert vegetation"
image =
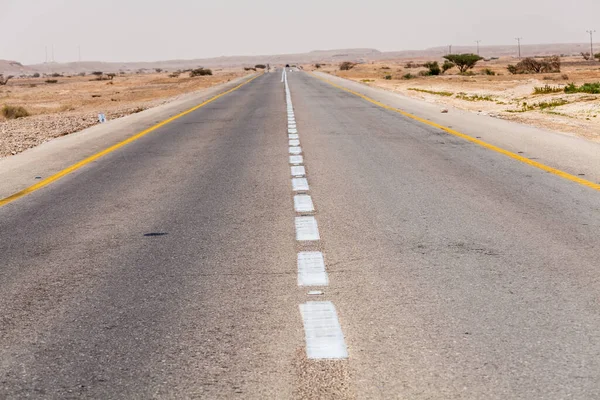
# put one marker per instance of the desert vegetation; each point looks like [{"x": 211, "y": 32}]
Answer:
[
  {"x": 536, "y": 94},
  {"x": 33, "y": 111},
  {"x": 14, "y": 112},
  {"x": 464, "y": 62},
  {"x": 532, "y": 65},
  {"x": 200, "y": 72}
]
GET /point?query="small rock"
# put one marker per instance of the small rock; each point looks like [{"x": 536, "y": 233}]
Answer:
[{"x": 444, "y": 111}]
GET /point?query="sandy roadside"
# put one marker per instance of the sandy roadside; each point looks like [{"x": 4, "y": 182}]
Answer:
[
  {"x": 501, "y": 95},
  {"x": 73, "y": 103}
]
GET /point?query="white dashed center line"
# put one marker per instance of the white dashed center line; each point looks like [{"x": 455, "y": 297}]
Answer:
[
  {"x": 295, "y": 150},
  {"x": 323, "y": 333},
  {"x": 303, "y": 203},
  {"x": 322, "y": 330},
  {"x": 307, "y": 229},
  {"x": 311, "y": 269},
  {"x": 298, "y": 171},
  {"x": 300, "y": 184},
  {"x": 296, "y": 160}
]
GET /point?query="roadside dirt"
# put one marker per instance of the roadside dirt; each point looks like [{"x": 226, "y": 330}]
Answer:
[
  {"x": 73, "y": 103},
  {"x": 502, "y": 95}
]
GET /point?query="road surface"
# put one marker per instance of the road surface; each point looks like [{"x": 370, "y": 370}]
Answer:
[{"x": 169, "y": 267}]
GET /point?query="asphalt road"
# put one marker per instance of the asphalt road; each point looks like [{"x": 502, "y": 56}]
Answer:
[{"x": 167, "y": 269}]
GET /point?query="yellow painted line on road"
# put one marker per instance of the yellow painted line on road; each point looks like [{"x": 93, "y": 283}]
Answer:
[
  {"x": 112, "y": 148},
  {"x": 471, "y": 139}
]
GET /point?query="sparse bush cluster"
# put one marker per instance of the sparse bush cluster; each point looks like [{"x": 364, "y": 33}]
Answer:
[
  {"x": 51, "y": 81},
  {"x": 533, "y": 66},
  {"x": 347, "y": 66},
  {"x": 547, "y": 89},
  {"x": 14, "y": 112},
  {"x": 260, "y": 66},
  {"x": 249, "y": 69},
  {"x": 200, "y": 72},
  {"x": 411, "y": 64},
  {"x": 590, "y": 88}
]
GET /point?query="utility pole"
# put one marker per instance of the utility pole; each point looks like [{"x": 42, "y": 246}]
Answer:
[
  {"x": 519, "y": 42},
  {"x": 449, "y": 49},
  {"x": 52, "y": 53},
  {"x": 478, "y": 41},
  {"x": 591, "y": 32}
]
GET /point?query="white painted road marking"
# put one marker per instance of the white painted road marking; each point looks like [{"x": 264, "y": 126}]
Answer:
[
  {"x": 295, "y": 150},
  {"x": 300, "y": 184},
  {"x": 307, "y": 229},
  {"x": 294, "y": 142},
  {"x": 322, "y": 331},
  {"x": 293, "y": 136},
  {"x": 296, "y": 159},
  {"x": 311, "y": 269},
  {"x": 303, "y": 203},
  {"x": 298, "y": 171},
  {"x": 292, "y": 130}
]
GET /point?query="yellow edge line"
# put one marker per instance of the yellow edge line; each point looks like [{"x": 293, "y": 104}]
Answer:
[
  {"x": 112, "y": 148},
  {"x": 471, "y": 139}
]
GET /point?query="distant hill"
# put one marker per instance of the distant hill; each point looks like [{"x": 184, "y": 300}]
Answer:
[
  {"x": 14, "y": 68},
  {"x": 322, "y": 56}
]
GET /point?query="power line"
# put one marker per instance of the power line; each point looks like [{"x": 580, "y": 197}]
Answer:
[
  {"x": 591, "y": 32},
  {"x": 519, "y": 42}
]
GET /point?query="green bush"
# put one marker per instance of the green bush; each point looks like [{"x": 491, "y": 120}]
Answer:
[
  {"x": 590, "y": 88},
  {"x": 260, "y": 66},
  {"x": 408, "y": 76},
  {"x": 388, "y": 77},
  {"x": 14, "y": 112},
  {"x": 51, "y": 80},
  {"x": 447, "y": 65},
  {"x": 36, "y": 75},
  {"x": 433, "y": 67},
  {"x": 200, "y": 72},
  {"x": 464, "y": 62},
  {"x": 488, "y": 71}
]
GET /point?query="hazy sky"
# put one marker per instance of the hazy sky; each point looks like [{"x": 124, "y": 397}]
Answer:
[{"x": 149, "y": 30}]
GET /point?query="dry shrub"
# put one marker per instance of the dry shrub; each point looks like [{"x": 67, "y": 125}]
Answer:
[{"x": 14, "y": 112}]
